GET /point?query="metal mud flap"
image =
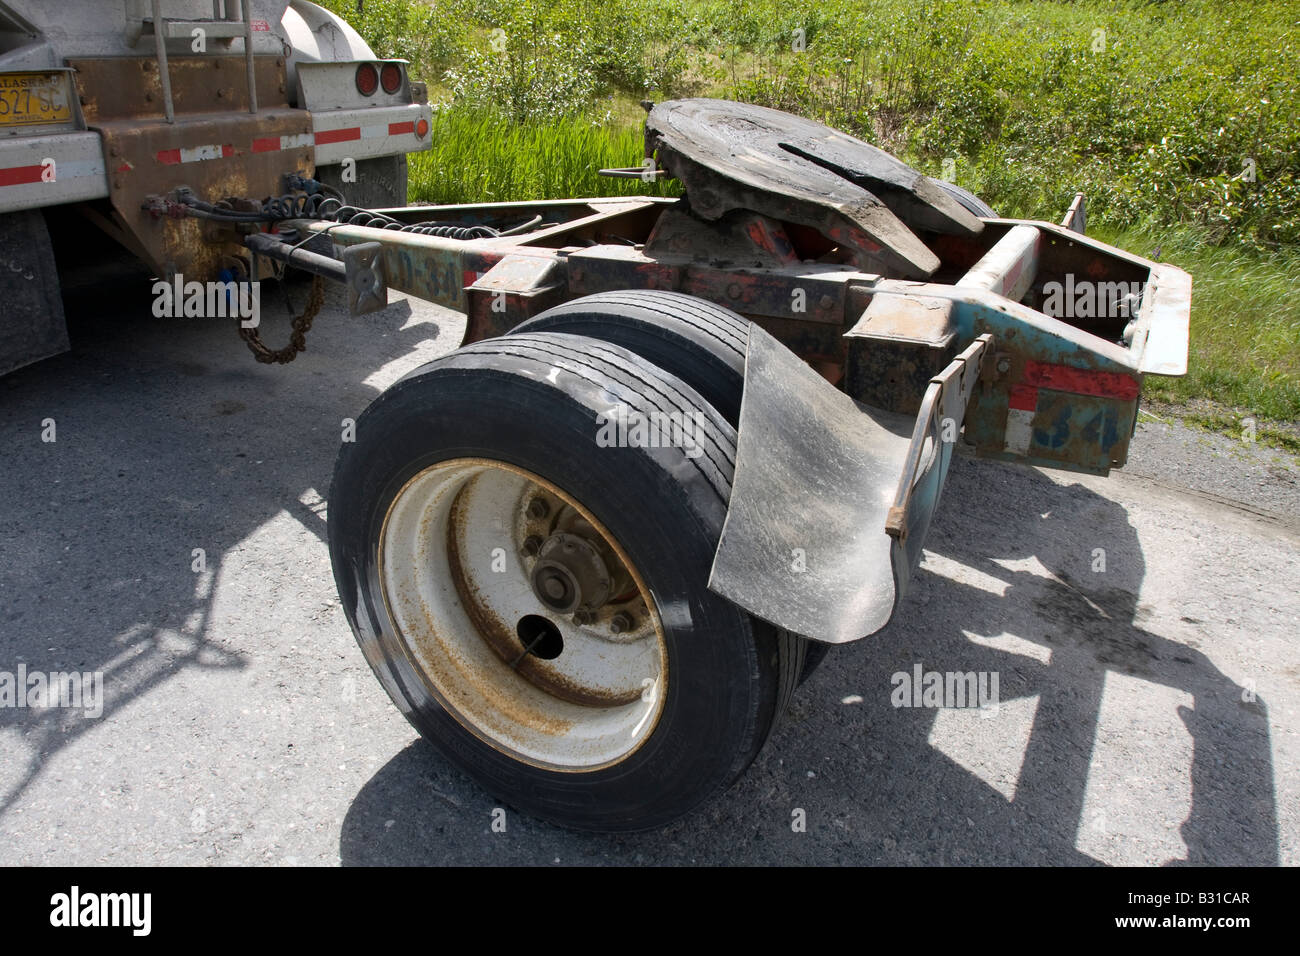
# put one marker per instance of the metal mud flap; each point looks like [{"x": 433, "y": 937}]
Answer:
[{"x": 831, "y": 498}]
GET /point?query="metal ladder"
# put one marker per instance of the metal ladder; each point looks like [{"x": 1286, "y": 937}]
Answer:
[{"x": 222, "y": 25}]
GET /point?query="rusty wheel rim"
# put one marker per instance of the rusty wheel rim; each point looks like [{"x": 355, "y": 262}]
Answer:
[{"x": 470, "y": 554}]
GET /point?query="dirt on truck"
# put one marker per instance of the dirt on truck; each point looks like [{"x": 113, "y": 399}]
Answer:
[{"x": 109, "y": 111}]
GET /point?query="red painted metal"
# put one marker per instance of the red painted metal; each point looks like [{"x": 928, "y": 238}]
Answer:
[
  {"x": 1023, "y": 398},
  {"x": 1081, "y": 381}
]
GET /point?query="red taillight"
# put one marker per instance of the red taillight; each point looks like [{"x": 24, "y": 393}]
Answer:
[
  {"x": 390, "y": 77},
  {"x": 367, "y": 79}
]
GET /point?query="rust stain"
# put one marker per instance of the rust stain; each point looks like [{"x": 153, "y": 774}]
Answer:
[
  {"x": 131, "y": 88},
  {"x": 193, "y": 247},
  {"x": 456, "y": 679},
  {"x": 500, "y": 636}
]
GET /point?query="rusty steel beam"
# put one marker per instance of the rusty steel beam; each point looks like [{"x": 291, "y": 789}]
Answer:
[
  {"x": 272, "y": 247},
  {"x": 1061, "y": 393},
  {"x": 1009, "y": 267}
]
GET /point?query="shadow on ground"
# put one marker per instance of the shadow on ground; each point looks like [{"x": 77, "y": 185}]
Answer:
[
  {"x": 874, "y": 788},
  {"x": 101, "y": 527}
]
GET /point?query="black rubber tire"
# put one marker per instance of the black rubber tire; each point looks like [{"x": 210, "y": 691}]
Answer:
[
  {"x": 532, "y": 400},
  {"x": 701, "y": 343},
  {"x": 33, "y": 325},
  {"x": 968, "y": 199},
  {"x": 380, "y": 182}
]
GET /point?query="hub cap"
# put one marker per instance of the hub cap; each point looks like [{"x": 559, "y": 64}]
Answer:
[{"x": 522, "y": 615}]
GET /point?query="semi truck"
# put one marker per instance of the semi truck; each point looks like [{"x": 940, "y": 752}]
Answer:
[{"x": 106, "y": 103}]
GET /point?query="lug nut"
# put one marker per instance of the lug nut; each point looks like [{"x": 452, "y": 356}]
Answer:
[
  {"x": 539, "y": 508},
  {"x": 532, "y": 544},
  {"x": 621, "y": 622},
  {"x": 583, "y": 617}
]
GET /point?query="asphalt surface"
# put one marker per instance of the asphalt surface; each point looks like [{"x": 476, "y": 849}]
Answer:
[{"x": 1148, "y": 710}]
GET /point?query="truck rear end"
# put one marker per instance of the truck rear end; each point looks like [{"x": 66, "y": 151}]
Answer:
[{"x": 113, "y": 110}]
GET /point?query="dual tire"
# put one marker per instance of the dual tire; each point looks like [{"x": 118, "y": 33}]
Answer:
[{"x": 450, "y": 516}]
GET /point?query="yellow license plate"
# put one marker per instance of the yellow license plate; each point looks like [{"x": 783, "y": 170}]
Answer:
[{"x": 34, "y": 99}]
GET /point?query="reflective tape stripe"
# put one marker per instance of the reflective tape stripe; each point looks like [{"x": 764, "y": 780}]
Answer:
[
  {"x": 1022, "y": 401},
  {"x": 1081, "y": 381},
  {"x": 366, "y": 133},
  {"x": 1020, "y": 431},
  {"x": 338, "y": 135},
  {"x": 1023, "y": 398},
  {"x": 350, "y": 133},
  {"x": 194, "y": 154},
  {"x": 273, "y": 144},
  {"x": 64, "y": 169},
  {"x": 21, "y": 175}
]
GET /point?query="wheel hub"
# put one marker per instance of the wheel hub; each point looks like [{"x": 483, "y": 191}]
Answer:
[{"x": 570, "y": 574}]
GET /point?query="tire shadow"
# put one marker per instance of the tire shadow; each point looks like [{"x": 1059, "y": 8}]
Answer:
[{"x": 872, "y": 785}]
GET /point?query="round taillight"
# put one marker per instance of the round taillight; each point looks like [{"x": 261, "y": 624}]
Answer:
[
  {"x": 390, "y": 77},
  {"x": 422, "y": 128},
  {"x": 367, "y": 79}
]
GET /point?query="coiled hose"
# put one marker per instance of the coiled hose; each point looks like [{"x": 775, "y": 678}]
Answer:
[{"x": 334, "y": 209}]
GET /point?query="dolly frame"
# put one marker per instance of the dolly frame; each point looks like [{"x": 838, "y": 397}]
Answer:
[{"x": 970, "y": 354}]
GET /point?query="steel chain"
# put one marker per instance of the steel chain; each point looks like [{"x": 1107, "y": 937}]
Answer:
[{"x": 298, "y": 338}]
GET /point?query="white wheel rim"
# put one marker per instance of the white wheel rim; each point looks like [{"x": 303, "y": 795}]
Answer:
[{"x": 457, "y": 586}]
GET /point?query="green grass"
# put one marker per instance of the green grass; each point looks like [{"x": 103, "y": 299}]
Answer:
[
  {"x": 1245, "y": 326},
  {"x": 1158, "y": 111},
  {"x": 1241, "y": 426},
  {"x": 477, "y": 158}
]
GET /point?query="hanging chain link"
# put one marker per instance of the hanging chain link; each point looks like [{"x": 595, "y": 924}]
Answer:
[{"x": 298, "y": 338}]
